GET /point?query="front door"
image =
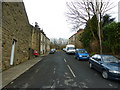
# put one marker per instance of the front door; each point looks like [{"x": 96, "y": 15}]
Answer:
[{"x": 12, "y": 53}]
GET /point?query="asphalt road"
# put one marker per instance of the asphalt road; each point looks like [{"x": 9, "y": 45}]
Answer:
[{"x": 60, "y": 70}]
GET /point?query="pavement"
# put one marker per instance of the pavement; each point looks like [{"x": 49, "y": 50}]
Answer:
[{"x": 14, "y": 72}]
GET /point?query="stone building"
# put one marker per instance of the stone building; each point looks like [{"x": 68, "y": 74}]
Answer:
[
  {"x": 19, "y": 38},
  {"x": 35, "y": 40},
  {"x": 40, "y": 41},
  {"x": 74, "y": 39},
  {"x": 16, "y": 34},
  {"x": 45, "y": 43}
]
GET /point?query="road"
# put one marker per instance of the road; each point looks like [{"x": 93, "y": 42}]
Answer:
[{"x": 60, "y": 70}]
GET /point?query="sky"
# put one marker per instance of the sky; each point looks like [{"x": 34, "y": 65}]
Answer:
[{"x": 50, "y": 16}]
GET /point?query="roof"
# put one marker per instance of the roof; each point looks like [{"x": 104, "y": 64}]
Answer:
[
  {"x": 103, "y": 55},
  {"x": 77, "y": 32}
]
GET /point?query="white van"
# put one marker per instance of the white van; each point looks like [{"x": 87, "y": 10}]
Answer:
[{"x": 70, "y": 49}]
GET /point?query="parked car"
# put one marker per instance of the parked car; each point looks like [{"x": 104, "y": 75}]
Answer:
[
  {"x": 70, "y": 49},
  {"x": 64, "y": 49},
  {"x": 52, "y": 51},
  {"x": 81, "y": 54},
  {"x": 108, "y": 65}
]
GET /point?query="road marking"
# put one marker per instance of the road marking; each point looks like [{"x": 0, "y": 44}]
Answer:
[
  {"x": 54, "y": 72},
  {"x": 110, "y": 85},
  {"x": 67, "y": 82},
  {"x": 26, "y": 85},
  {"x": 37, "y": 71},
  {"x": 58, "y": 82},
  {"x": 65, "y": 60},
  {"x": 53, "y": 86},
  {"x": 71, "y": 71},
  {"x": 46, "y": 87},
  {"x": 83, "y": 85},
  {"x": 54, "y": 69}
]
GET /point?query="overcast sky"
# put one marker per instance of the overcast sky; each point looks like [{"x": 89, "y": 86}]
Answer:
[{"x": 50, "y": 15}]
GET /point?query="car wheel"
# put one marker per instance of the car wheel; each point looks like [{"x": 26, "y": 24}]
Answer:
[
  {"x": 90, "y": 65},
  {"x": 105, "y": 74}
]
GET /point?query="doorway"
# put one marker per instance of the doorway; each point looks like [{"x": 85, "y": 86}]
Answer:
[{"x": 12, "y": 52}]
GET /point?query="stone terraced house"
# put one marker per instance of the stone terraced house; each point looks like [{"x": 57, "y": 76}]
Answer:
[
  {"x": 74, "y": 39},
  {"x": 19, "y": 38}
]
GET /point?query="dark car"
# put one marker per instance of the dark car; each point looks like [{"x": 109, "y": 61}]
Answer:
[
  {"x": 81, "y": 54},
  {"x": 108, "y": 65},
  {"x": 52, "y": 51}
]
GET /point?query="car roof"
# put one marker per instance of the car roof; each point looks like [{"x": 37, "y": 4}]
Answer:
[
  {"x": 80, "y": 49},
  {"x": 103, "y": 55}
]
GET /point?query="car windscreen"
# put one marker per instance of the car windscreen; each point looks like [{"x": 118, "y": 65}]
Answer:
[
  {"x": 69, "y": 48},
  {"x": 110, "y": 59},
  {"x": 82, "y": 51}
]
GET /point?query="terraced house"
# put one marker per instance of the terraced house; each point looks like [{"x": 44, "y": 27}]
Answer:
[
  {"x": 40, "y": 41},
  {"x": 19, "y": 38},
  {"x": 74, "y": 39}
]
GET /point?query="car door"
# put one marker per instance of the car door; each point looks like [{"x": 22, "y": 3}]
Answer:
[
  {"x": 76, "y": 53},
  {"x": 98, "y": 63},
  {"x": 93, "y": 61}
]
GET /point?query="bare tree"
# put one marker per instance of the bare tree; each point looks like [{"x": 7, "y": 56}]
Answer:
[
  {"x": 80, "y": 12},
  {"x": 100, "y": 8},
  {"x": 60, "y": 42}
]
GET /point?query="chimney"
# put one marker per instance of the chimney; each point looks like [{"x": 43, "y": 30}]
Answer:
[{"x": 36, "y": 25}]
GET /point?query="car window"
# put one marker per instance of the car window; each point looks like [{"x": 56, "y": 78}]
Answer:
[
  {"x": 110, "y": 59},
  {"x": 96, "y": 57},
  {"x": 82, "y": 51},
  {"x": 70, "y": 48},
  {"x": 76, "y": 51}
]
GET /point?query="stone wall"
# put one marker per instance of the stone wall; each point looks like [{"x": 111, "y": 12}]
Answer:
[
  {"x": 78, "y": 42},
  {"x": 47, "y": 44},
  {"x": 40, "y": 41},
  {"x": 15, "y": 26},
  {"x": 0, "y": 37},
  {"x": 74, "y": 39},
  {"x": 36, "y": 38}
]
